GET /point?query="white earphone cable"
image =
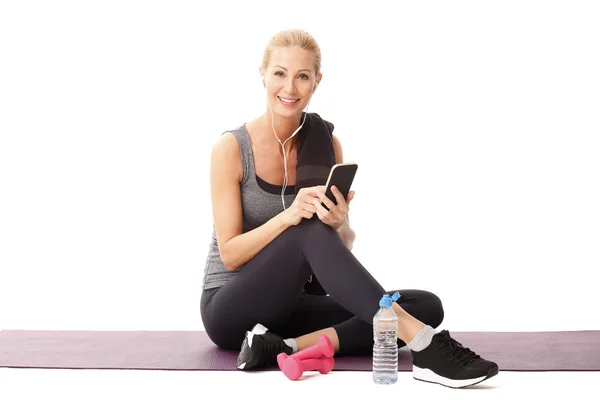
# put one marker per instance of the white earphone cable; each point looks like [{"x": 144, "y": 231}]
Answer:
[{"x": 285, "y": 178}]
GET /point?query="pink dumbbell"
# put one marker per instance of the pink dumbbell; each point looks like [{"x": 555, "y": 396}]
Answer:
[
  {"x": 306, "y": 360},
  {"x": 323, "y": 348},
  {"x": 294, "y": 368}
]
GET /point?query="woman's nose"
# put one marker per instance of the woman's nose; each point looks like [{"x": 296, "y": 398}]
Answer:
[{"x": 290, "y": 86}]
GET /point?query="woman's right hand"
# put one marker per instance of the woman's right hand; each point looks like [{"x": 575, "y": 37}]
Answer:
[{"x": 302, "y": 207}]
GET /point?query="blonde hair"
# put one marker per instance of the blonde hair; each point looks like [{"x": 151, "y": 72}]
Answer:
[{"x": 291, "y": 38}]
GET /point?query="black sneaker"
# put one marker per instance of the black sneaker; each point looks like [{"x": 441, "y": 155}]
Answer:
[
  {"x": 260, "y": 349},
  {"x": 447, "y": 362}
]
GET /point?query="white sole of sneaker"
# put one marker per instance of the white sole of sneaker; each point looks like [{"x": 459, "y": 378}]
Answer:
[{"x": 427, "y": 375}]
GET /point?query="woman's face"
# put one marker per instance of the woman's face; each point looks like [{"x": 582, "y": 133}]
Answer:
[{"x": 290, "y": 80}]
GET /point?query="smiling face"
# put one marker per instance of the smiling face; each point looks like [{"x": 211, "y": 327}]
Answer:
[{"x": 290, "y": 80}]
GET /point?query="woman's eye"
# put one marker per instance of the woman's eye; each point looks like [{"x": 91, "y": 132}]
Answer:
[
  {"x": 279, "y": 73},
  {"x": 304, "y": 76}
]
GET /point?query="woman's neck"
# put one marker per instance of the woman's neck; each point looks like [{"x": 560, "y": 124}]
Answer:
[{"x": 284, "y": 128}]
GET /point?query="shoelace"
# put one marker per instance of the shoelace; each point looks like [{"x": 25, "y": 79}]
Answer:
[{"x": 456, "y": 351}]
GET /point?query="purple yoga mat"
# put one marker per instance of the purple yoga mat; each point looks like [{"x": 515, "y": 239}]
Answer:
[{"x": 189, "y": 350}]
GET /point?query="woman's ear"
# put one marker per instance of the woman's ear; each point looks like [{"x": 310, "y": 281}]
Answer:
[{"x": 317, "y": 81}]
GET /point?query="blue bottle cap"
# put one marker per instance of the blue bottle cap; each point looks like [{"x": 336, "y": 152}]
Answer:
[
  {"x": 396, "y": 296},
  {"x": 386, "y": 301}
]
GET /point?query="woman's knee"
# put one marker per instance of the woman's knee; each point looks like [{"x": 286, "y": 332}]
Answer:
[
  {"x": 314, "y": 228},
  {"x": 226, "y": 341},
  {"x": 423, "y": 305},
  {"x": 297, "y": 232},
  {"x": 223, "y": 336},
  {"x": 435, "y": 309}
]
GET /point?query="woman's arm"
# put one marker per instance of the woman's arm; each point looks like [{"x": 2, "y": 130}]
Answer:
[
  {"x": 345, "y": 232},
  {"x": 235, "y": 247}
]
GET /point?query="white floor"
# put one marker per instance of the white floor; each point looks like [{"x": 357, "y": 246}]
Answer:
[{"x": 112, "y": 384}]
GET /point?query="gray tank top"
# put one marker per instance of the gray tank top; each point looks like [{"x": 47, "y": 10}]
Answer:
[{"x": 261, "y": 201}]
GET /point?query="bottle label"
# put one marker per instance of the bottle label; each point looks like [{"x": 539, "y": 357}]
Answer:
[{"x": 385, "y": 336}]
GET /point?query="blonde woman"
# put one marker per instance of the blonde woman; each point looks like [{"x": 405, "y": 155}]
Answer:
[{"x": 281, "y": 260}]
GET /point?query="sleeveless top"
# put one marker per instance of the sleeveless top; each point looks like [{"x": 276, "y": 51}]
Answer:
[{"x": 261, "y": 200}]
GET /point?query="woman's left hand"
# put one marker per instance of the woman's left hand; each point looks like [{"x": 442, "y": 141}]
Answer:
[{"x": 336, "y": 216}]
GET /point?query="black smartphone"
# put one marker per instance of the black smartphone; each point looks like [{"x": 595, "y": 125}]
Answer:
[{"x": 340, "y": 176}]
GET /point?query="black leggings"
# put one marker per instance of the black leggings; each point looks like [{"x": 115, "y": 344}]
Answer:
[{"x": 268, "y": 289}]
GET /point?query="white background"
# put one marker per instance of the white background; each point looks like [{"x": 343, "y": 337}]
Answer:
[{"x": 475, "y": 126}]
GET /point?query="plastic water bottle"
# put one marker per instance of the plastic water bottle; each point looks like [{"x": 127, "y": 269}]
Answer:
[{"x": 385, "y": 347}]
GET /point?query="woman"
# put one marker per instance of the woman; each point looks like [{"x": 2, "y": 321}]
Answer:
[{"x": 274, "y": 246}]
